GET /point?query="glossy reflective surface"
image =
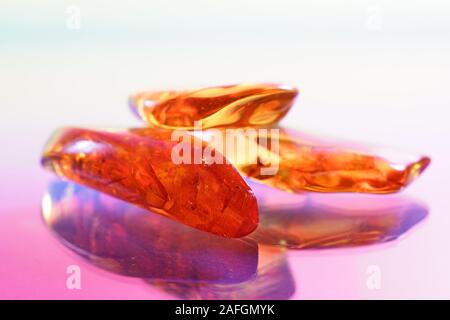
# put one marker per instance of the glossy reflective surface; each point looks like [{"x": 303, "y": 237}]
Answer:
[
  {"x": 321, "y": 221},
  {"x": 191, "y": 264},
  {"x": 272, "y": 281},
  {"x": 124, "y": 239},
  {"x": 387, "y": 86}
]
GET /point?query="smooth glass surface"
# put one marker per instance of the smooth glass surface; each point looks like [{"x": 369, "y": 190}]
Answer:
[{"x": 371, "y": 72}]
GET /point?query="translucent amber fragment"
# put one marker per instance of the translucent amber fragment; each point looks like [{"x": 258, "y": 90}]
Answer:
[
  {"x": 122, "y": 238},
  {"x": 136, "y": 166},
  {"x": 227, "y": 106},
  {"x": 299, "y": 162}
]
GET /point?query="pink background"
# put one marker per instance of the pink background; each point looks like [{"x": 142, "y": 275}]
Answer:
[{"x": 384, "y": 82}]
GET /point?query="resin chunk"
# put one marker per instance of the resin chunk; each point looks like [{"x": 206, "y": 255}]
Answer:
[
  {"x": 136, "y": 166},
  {"x": 228, "y": 106},
  {"x": 298, "y": 162},
  {"x": 121, "y": 238}
]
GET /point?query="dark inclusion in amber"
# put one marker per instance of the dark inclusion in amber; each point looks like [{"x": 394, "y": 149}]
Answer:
[
  {"x": 137, "y": 166},
  {"x": 225, "y": 106},
  {"x": 124, "y": 239}
]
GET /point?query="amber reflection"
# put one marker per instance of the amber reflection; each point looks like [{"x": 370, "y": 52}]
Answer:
[
  {"x": 272, "y": 281},
  {"x": 319, "y": 221},
  {"x": 124, "y": 239}
]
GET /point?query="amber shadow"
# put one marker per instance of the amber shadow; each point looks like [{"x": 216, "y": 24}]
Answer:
[
  {"x": 325, "y": 221},
  {"x": 127, "y": 240}
]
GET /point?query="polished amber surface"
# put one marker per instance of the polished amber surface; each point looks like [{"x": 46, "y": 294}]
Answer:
[
  {"x": 307, "y": 163},
  {"x": 136, "y": 166},
  {"x": 226, "y": 106}
]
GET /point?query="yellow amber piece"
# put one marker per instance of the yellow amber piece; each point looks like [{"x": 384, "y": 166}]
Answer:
[
  {"x": 226, "y": 106},
  {"x": 299, "y": 162}
]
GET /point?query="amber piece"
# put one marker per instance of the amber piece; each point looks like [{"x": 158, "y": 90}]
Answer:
[
  {"x": 299, "y": 162},
  {"x": 324, "y": 221},
  {"x": 136, "y": 166},
  {"x": 122, "y": 238},
  {"x": 227, "y": 106}
]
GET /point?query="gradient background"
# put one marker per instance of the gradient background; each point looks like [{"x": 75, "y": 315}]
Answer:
[{"x": 376, "y": 71}]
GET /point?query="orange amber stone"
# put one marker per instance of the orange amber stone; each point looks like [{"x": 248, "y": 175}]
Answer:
[
  {"x": 227, "y": 106},
  {"x": 306, "y": 163},
  {"x": 136, "y": 166}
]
